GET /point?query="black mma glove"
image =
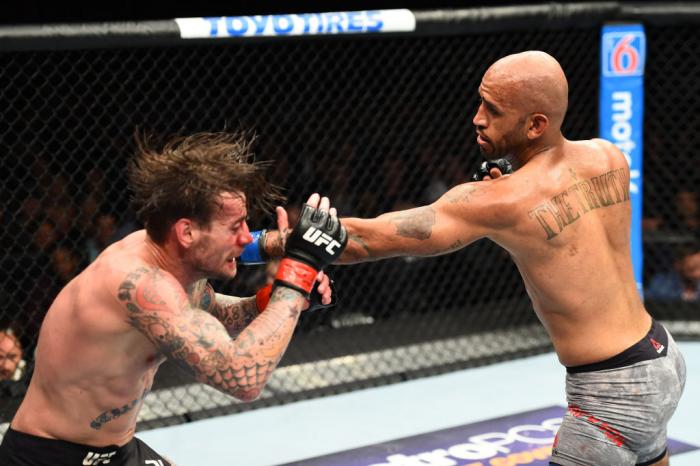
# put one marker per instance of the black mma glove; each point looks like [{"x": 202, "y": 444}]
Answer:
[
  {"x": 316, "y": 241},
  {"x": 485, "y": 168}
]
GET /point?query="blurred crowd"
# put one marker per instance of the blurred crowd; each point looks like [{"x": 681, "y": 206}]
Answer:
[
  {"x": 671, "y": 232},
  {"x": 53, "y": 229}
]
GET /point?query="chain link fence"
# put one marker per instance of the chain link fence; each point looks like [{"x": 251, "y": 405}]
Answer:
[
  {"x": 377, "y": 123},
  {"x": 671, "y": 173}
]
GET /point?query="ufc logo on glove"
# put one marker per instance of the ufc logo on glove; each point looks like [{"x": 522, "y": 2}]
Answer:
[{"x": 317, "y": 237}]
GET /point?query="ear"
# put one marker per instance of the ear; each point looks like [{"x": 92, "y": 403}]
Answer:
[
  {"x": 186, "y": 232},
  {"x": 538, "y": 124}
]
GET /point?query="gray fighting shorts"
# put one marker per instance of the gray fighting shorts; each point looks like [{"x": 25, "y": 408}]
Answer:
[{"x": 619, "y": 408}]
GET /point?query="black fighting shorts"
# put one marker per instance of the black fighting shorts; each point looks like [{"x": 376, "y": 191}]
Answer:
[{"x": 20, "y": 449}]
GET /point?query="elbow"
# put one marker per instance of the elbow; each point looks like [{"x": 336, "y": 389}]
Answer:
[{"x": 247, "y": 395}]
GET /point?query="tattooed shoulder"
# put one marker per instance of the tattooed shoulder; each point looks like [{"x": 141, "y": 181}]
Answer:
[
  {"x": 464, "y": 193},
  {"x": 145, "y": 288}
]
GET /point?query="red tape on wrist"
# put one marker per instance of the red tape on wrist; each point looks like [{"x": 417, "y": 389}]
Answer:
[
  {"x": 262, "y": 297},
  {"x": 297, "y": 273}
]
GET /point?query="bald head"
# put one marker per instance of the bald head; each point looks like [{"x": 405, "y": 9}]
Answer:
[{"x": 534, "y": 81}]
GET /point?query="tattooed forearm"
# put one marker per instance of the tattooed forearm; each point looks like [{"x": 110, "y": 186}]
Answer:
[
  {"x": 452, "y": 247},
  {"x": 235, "y": 313},
  {"x": 580, "y": 198},
  {"x": 414, "y": 223},
  {"x": 278, "y": 334},
  {"x": 275, "y": 242},
  {"x": 160, "y": 308},
  {"x": 357, "y": 239}
]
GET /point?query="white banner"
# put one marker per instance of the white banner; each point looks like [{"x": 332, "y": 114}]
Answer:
[{"x": 352, "y": 22}]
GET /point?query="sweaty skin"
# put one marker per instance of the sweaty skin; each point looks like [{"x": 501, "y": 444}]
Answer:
[
  {"x": 564, "y": 215},
  {"x": 136, "y": 305}
]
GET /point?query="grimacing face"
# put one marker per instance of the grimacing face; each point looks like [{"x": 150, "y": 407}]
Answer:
[{"x": 223, "y": 240}]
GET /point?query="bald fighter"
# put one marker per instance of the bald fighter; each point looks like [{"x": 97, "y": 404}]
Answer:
[
  {"x": 146, "y": 298},
  {"x": 564, "y": 217}
]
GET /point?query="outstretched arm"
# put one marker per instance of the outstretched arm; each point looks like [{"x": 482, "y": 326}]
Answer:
[{"x": 461, "y": 216}]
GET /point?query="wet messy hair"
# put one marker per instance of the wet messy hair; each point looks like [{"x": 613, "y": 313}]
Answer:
[{"x": 185, "y": 176}]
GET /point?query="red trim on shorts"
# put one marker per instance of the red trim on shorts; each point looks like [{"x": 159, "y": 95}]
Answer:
[{"x": 611, "y": 433}]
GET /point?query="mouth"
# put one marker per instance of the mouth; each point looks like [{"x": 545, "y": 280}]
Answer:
[{"x": 481, "y": 140}]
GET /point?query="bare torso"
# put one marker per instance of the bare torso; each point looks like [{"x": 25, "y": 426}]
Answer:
[
  {"x": 570, "y": 239},
  {"x": 93, "y": 368},
  {"x": 564, "y": 217}
]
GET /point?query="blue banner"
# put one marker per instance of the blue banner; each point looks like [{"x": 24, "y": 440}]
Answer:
[{"x": 623, "y": 53}]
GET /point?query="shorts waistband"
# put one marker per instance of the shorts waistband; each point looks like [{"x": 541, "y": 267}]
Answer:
[
  {"x": 652, "y": 346},
  {"x": 53, "y": 451}
]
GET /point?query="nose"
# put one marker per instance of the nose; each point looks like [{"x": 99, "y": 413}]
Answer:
[
  {"x": 246, "y": 237},
  {"x": 7, "y": 367},
  {"x": 479, "y": 119}
]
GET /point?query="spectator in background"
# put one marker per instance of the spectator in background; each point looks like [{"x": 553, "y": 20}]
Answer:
[
  {"x": 35, "y": 183},
  {"x": 11, "y": 363},
  {"x": 61, "y": 208},
  {"x": 45, "y": 237},
  {"x": 104, "y": 233},
  {"x": 683, "y": 217},
  {"x": 36, "y": 281},
  {"x": 337, "y": 177},
  {"x": 681, "y": 284},
  {"x": 14, "y": 370},
  {"x": 65, "y": 264},
  {"x": 687, "y": 211},
  {"x": 93, "y": 198},
  {"x": 30, "y": 212},
  {"x": 396, "y": 179}
]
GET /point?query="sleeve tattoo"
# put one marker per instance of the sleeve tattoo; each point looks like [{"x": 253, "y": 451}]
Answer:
[
  {"x": 234, "y": 312},
  {"x": 158, "y": 307}
]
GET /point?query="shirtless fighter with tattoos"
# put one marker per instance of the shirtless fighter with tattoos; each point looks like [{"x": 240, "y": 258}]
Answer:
[
  {"x": 564, "y": 217},
  {"x": 146, "y": 298}
]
